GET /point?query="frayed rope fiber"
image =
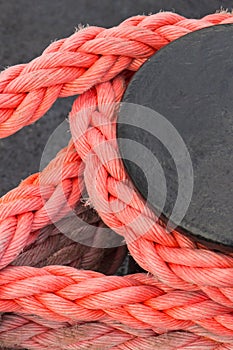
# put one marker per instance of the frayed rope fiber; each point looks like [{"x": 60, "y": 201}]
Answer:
[{"x": 185, "y": 301}]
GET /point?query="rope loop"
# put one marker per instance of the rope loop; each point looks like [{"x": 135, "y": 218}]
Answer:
[{"x": 185, "y": 300}]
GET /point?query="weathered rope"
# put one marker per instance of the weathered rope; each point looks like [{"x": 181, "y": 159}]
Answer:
[
  {"x": 52, "y": 247},
  {"x": 190, "y": 288},
  {"x": 32, "y": 333}
]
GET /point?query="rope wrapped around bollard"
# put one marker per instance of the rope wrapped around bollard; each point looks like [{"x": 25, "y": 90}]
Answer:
[{"x": 185, "y": 300}]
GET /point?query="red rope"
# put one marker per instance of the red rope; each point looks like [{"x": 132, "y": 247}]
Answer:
[{"x": 190, "y": 288}]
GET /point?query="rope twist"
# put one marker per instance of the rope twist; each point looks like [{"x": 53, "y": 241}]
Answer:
[{"x": 186, "y": 299}]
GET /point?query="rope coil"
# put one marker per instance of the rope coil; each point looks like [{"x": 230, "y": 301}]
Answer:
[{"x": 186, "y": 299}]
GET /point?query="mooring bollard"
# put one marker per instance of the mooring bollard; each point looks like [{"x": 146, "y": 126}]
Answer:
[
  {"x": 187, "y": 85},
  {"x": 173, "y": 125}
]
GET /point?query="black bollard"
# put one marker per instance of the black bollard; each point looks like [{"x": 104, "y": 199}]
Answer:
[{"x": 180, "y": 104}]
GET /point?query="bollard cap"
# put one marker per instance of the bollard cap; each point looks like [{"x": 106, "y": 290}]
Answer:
[{"x": 180, "y": 104}]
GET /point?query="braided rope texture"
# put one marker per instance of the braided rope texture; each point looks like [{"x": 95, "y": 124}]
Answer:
[
  {"x": 52, "y": 247},
  {"x": 185, "y": 301}
]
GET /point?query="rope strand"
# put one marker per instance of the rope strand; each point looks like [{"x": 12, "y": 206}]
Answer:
[{"x": 188, "y": 288}]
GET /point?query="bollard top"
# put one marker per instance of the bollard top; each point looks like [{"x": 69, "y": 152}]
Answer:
[{"x": 179, "y": 108}]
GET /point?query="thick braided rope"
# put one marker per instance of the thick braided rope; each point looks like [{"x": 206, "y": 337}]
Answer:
[
  {"x": 36, "y": 194},
  {"x": 138, "y": 301},
  {"x": 90, "y": 56},
  {"x": 31, "y": 332},
  {"x": 24, "y": 210},
  {"x": 179, "y": 266},
  {"x": 52, "y": 247}
]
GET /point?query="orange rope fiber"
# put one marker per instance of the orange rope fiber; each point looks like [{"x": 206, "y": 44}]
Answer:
[{"x": 186, "y": 299}]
